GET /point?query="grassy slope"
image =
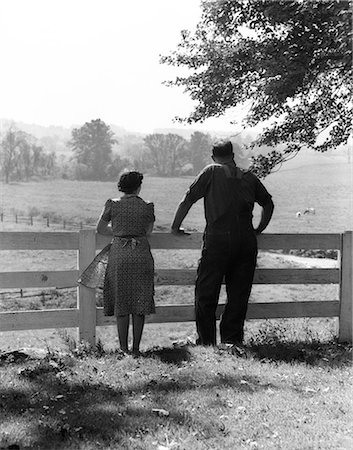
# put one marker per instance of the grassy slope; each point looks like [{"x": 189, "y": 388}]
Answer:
[{"x": 290, "y": 396}]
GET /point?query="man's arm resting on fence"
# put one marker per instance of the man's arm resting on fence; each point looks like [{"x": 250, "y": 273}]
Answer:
[
  {"x": 266, "y": 214},
  {"x": 181, "y": 212}
]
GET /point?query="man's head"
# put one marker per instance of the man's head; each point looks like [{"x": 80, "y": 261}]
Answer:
[{"x": 222, "y": 151}]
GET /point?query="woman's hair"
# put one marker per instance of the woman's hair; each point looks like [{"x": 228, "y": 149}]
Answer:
[{"x": 130, "y": 181}]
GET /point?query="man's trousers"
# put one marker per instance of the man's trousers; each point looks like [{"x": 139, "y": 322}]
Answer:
[{"x": 230, "y": 256}]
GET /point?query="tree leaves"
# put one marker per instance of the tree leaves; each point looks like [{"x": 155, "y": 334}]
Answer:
[
  {"x": 291, "y": 59},
  {"x": 92, "y": 145}
]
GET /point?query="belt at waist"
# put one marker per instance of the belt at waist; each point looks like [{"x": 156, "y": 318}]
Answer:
[{"x": 125, "y": 240}]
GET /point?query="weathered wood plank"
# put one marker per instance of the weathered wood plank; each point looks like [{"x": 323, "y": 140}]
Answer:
[
  {"x": 186, "y": 313},
  {"x": 69, "y": 240},
  {"x": 68, "y": 318},
  {"x": 346, "y": 289},
  {"x": 323, "y": 241},
  {"x": 179, "y": 277},
  {"x": 266, "y": 241},
  {"x": 39, "y": 320},
  {"x": 86, "y": 297},
  {"x": 58, "y": 279},
  {"x": 168, "y": 277},
  {"x": 293, "y": 309},
  {"x": 296, "y": 276},
  {"x": 24, "y": 240}
]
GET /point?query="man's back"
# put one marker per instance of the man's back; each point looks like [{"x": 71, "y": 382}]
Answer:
[{"x": 228, "y": 192}]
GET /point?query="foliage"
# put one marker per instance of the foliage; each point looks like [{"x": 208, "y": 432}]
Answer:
[
  {"x": 166, "y": 152},
  {"x": 117, "y": 165},
  {"x": 289, "y": 62},
  {"x": 92, "y": 146},
  {"x": 22, "y": 158},
  {"x": 199, "y": 148}
]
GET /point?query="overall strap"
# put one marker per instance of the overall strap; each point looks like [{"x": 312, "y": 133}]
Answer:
[{"x": 235, "y": 187}]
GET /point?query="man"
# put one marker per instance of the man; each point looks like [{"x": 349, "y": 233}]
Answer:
[{"x": 229, "y": 244}]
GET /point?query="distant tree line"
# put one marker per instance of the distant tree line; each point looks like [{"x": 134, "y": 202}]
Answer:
[
  {"x": 158, "y": 154},
  {"x": 22, "y": 158},
  {"x": 94, "y": 154}
]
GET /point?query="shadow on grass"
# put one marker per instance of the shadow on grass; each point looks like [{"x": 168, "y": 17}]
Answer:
[
  {"x": 167, "y": 355},
  {"x": 60, "y": 414},
  {"x": 61, "y": 408},
  {"x": 311, "y": 353}
]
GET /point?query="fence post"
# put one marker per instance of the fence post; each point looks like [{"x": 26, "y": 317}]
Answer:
[
  {"x": 86, "y": 297},
  {"x": 346, "y": 289}
]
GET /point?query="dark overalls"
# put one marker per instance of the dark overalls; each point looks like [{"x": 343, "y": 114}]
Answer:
[{"x": 229, "y": 249}]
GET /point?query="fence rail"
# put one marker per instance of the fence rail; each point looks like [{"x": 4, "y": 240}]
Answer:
[{"x": 87, "y": 316}]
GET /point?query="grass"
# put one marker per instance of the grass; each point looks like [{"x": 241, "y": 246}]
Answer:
[{"x": 296, "y": 395}]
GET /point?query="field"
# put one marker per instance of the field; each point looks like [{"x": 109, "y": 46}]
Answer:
[{"x": 325, "y": 187}]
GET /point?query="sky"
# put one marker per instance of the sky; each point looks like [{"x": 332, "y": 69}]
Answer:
[{"x": 66, "y": 62}]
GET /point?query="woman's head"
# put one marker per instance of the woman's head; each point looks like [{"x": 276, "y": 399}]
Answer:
[{"x": 129, "y": 182}]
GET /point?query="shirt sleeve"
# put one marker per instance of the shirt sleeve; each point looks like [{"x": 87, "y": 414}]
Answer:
[
  {"x": 262, "y": 196},
  {"x": 199, "y": 186},
  {"x": 106, "y": 215}
]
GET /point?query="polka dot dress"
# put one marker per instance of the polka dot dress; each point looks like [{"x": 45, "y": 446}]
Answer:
[{"x": 128, "y": 283}]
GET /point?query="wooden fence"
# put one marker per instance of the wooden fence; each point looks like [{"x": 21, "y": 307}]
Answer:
[{"x": 86, "y": 317}]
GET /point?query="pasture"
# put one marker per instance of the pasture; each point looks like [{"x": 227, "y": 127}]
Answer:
[{"x": 325, "y": 187}]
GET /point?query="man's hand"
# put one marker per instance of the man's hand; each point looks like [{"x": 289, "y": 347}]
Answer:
[{"x": 179, "y": 232}]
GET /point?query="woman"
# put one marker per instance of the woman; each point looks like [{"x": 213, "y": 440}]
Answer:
[{"x": 128, "y": 283}]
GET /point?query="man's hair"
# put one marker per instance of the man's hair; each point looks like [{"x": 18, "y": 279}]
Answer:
[
  {"x": 130, "y": 181},
  {"x": 222, "y": 149}
]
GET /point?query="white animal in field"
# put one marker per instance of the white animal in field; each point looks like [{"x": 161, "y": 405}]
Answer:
[
  {"x": 309, "y": 211},
  {"x": 298, "y": 214}
]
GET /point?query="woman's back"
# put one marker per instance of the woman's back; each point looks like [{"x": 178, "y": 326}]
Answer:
[{"x": 129, "y": 215}]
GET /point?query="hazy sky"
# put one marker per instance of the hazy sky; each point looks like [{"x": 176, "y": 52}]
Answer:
[{"x": 65, "y": 62}]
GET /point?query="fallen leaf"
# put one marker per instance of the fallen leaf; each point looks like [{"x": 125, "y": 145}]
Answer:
[
  {"x": 161, "y": 412},
  {"x": 309, "y": 390}
]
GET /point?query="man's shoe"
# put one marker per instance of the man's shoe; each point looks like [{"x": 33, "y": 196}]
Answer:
[
  {"x": 238, "y": 350},
  {"x": 224, "y": 346},
  {"x": 235, "y": 349}
]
